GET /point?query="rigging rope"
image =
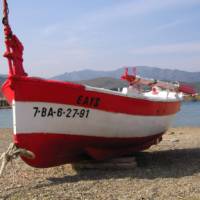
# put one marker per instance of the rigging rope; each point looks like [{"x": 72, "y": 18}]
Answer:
[{"x": 12, "y": 153}]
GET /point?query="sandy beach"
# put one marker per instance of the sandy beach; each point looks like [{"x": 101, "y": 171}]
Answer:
[{"x": 169, "y": 170}]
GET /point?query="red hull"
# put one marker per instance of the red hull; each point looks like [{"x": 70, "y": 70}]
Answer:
[{"x": 56, "y": 149}]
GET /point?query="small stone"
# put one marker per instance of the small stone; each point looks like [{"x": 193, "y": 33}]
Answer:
[{"x": 175, "y": 140}]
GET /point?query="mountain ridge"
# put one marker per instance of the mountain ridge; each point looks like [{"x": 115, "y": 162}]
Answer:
[{"x": 144, "y": 71}]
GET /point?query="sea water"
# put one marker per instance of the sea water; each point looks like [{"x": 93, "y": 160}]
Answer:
[
  {"x": 188, "y": 116},
  {"x": 5, "y": 118}
]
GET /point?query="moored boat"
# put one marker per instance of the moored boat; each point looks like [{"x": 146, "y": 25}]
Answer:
[{"x": 62, "y": 122}]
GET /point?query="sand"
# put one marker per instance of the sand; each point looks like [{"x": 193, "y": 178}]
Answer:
[{"x": 169, "y": 170}]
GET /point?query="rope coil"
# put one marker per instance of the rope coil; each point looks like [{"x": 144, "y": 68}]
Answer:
[{"x": 12, "y": 153}]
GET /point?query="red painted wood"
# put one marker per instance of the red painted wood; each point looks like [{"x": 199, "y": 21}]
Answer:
[
  {"x": 55, "y": 149},
  {"x": 40, "y": 90}
]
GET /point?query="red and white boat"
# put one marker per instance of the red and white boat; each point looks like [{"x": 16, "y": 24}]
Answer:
[{"x": 61, "y": 122}]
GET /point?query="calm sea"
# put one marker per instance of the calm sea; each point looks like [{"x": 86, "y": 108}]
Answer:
[{"x": 188, "y": 116}]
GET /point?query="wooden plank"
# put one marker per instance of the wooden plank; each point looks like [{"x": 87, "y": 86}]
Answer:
[{"x": 114, "y": 164}]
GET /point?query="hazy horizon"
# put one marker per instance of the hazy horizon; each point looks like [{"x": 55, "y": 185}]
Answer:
[{"x": 83, "y": 69}]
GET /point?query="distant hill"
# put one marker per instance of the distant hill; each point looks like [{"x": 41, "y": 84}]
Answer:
[
  {"x": 196, "y": 85},
  {"x": 104, "y": 82},
  {"x": 2, "y": 78},
  {"x": 149, "y": 72}
]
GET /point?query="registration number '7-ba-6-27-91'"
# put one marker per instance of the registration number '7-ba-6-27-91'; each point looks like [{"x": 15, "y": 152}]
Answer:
[{"x": 60, "y": 112}]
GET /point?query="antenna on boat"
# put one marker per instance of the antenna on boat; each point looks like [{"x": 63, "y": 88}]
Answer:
[
  {"x": 14, "y": 48},
  {"x": 134, "y": 71},
  {"x": 131, "y": 79}
]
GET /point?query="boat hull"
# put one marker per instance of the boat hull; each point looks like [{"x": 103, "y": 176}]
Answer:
[
  {"x": 63, "y": 122},
  {"x": 56, "y": 149}
]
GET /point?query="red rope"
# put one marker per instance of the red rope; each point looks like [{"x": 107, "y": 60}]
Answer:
[{"x": 14, "y": 48}]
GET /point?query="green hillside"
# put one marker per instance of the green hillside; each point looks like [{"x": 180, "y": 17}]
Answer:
[
  {"x": 105, "y": 82},
  {"x": 2, "y": 79},
  {"x": 196, "y": 85}
]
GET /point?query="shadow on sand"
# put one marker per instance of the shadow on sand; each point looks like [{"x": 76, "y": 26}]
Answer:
[{"x": 159, "y": 164}]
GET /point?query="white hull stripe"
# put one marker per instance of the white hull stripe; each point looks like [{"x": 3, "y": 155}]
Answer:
[{"x": 37, "y": 117}]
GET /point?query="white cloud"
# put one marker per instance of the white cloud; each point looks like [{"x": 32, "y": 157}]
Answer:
[
  {"x": 50, "y": 29},
  {"x": 180, "y": 48},
  {"x": 171, "y": 24},
  {"x": 136, "y": 7}
]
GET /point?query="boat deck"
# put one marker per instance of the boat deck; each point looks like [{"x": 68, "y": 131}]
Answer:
[{"x": 159, "y": 95}]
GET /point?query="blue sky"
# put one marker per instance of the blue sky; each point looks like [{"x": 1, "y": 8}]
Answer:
[{"x": 68, "y": 35}]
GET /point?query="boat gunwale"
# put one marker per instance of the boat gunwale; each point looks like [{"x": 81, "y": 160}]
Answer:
[{"x": 39, "y": 80}]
